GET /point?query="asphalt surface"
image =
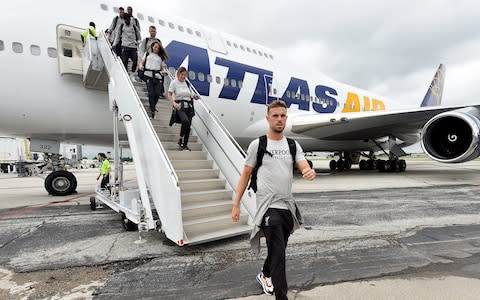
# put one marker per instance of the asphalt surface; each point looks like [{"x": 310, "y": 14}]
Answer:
[{"x": 349, "y": 236}]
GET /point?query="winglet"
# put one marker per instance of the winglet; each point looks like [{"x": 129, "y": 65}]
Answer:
[{"x": 435, "y": 91}]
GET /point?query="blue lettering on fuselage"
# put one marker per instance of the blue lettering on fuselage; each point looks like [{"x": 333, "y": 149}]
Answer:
[
  {"x": 237, "y": 72},
  {"x": 198, "y": 61},
  {"x": 297, "y": 87},
  {"x": 328, "y": 103}
]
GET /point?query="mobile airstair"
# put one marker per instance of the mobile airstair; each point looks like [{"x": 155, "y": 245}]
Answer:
[{"x": 187, "y": 195}]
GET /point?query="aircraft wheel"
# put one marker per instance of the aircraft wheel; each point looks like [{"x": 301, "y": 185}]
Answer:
[
  {"x": 128, "y": 225},
  {"x": 403, "y": 165},
  {"x": 348, "y": 164},
  {"x": 333, "y": 165},
  {"x": 340, "y": 164},
  {"x": 93, "y": 203},
  {"x": 60, "y": 183},
  {"x": 363, "y": 165}
]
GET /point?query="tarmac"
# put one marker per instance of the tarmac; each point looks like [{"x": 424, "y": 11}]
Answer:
[{"x": 368, "y": 235}]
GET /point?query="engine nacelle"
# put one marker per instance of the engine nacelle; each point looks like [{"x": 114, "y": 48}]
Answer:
[{"x": 452, "y": 137}]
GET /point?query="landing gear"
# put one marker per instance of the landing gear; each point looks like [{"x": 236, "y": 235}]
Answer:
[
  {"x": 343, "y": 163},
  {"x": 394, "y": 165},
  {"x": 60, "y": 183},
  {"x": 93, "y": 203}
]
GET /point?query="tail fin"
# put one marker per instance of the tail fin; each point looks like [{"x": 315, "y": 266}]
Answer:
[{"x": 435, "y": 91}]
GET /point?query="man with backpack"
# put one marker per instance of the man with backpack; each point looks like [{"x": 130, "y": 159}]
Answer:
[
  {"x": 269, "y": 163},
  {"x": 147, "y": 42},
  {"x": 113, "y": 29}
]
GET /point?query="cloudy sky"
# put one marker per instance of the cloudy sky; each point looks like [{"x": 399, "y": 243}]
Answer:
[{"x": 389, "y": 47}]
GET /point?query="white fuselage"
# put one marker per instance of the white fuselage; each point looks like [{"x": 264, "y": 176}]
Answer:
[{"x": 36, "y": 101}]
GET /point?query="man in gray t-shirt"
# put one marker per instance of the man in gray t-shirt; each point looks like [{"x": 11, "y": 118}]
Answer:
[{"x": 277, "y": 214}]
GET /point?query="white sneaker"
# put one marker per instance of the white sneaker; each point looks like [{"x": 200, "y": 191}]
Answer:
[{"x": 266, "y": 283}]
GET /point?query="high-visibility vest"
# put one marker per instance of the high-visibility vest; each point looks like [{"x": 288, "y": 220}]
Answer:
[{"x": 90, "y": 31}]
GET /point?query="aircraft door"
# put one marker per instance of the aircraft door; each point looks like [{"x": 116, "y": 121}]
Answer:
[
  {"x": 69, "y": 49},
  {"x": 215, "y": 42}
]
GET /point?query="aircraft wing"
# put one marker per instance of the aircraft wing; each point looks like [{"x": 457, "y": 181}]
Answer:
[{"x": 366, "y": 125}]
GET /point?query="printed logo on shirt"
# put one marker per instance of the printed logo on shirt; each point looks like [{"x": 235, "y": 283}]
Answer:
[{"x": 279, "y": 154}]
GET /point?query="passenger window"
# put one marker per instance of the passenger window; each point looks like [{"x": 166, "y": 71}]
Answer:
[
  {"x": 274, "y": 91},
  {"x": 17, "y": 47},
  {"x": 170, "y": 24},
  {"x": 191, "y": 75},
  {"x": 52, "y": 52},
  {"x": 2, "y": 46},
  {"x": 151, "y": 19},
  {"x": 104, "y": 6},
  {"x": 161, "y": 22},
  {"x": 217, "y": 79},
  {"x": 201, "y": 76},
  {"x": 235, "y": 45},
  {"x": 240, "y": 84},
  {"x": 180, "y": 27},
  {"x": 190, "y": 31},
  {"x": 209, "y": 78},
  {"x": 241, "y": 47},
  {"x": 225, "y": 83},
  {"x": 198, "y": 33},
  {"x": 254, "y": 51},
  {"x": 233, "y": 82},
  {"x": 140, "y": 16},
  {"x": 35, "y": 50},
  {"x": 248, "y": 50},
  {"x": 115, "y": 9},
  {"x": 229, "y": 44},
  {"x": 288, "y": 94},
  {"x": 302, "y": 96}
]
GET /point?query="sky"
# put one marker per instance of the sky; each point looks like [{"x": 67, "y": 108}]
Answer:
[{"x": 392, "y": 48}]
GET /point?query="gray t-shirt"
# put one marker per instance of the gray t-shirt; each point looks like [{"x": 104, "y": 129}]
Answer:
[
  {"x": 180, "y": 90},
  {"x": 275, "y": 175}
]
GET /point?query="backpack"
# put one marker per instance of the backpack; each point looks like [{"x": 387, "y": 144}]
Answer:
[{"x": 262, "y": 149}]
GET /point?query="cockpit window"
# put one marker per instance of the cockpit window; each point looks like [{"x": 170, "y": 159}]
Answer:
[
  {"x": 2, "y": 46},
  {"x": 104, "y": 6}
]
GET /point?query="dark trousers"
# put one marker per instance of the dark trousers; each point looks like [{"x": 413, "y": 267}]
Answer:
[
  {"x": 105, "y": 181},
  {"x": 118, "y": 50},
  {"x": 277, "y": 225},
  {"x": 155, "y": 89},
  {"x": 131, "y": 53},
  {"x": 185, "y": 115}
]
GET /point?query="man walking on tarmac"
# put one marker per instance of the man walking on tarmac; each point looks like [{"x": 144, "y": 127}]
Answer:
[{"x": 269, "y": 164}]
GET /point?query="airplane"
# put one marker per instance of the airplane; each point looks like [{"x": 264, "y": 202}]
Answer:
[{"x": 236, "y": 77}]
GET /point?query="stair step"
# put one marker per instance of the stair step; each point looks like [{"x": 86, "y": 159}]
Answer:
[
  {"x": 212, "y": 228},
  {"x": 187, "y": 155},
  {"x": 191, "y": 197},
  {"x": 240, "y": 229},
  {"x": 161, "y": 129},
  {"x": 192, "y": 164},
  {"x": 206, "y": 209},
  {"x": 197, "y": 174},
  {"x": 201, "y": 184},
  {"x": 173, "y": 146},
  {"x": 171, "y": 137}
]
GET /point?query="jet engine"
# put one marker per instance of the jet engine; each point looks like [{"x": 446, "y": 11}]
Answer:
[{"x": 452, "y": 137}]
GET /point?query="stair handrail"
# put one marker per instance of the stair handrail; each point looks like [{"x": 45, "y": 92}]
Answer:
[
  {"x": 236, "y": 155},
  {"x": 149, "y": 155}
]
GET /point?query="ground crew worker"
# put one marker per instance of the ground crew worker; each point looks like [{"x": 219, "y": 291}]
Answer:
[
  {"x": 104, "y": 170},
  {"x": 91, "y": 31}
]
